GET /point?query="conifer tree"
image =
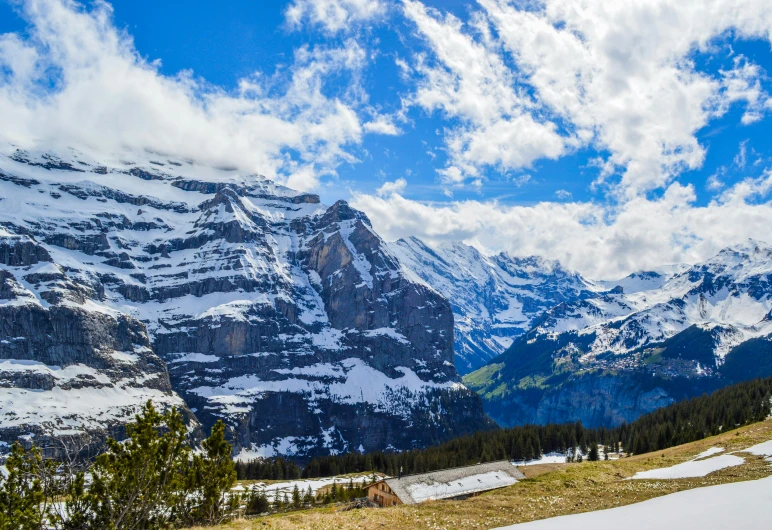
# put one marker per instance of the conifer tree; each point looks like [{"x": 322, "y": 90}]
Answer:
[
  {"x": 258, "y": 503},
  {"x": 21, "y": 493},
  {"x": 139, "y": 482},
  {"x": 296, "y": 497},
  {"x": 210, "y": 477}
]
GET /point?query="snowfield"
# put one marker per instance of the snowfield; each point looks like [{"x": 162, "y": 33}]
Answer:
[
  {"x": 692, "y": 468},
  {"x": 549, "y": 458},
  {"x": 702, "y": 464},
  {"x": 762, "y": 449},
  {"x": 281, "y": 488},
  {"x": 741, "y": 505}
]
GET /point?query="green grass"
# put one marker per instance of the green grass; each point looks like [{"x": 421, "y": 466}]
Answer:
[{"x": 481, "y": 378}]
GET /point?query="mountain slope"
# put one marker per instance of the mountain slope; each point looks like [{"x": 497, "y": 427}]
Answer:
[
  {"x": 290, "y": 320},
  {"x": 610, "y": 358},
  {"x": 70, "y": 367},
  {"x": 494, "y": 298}
]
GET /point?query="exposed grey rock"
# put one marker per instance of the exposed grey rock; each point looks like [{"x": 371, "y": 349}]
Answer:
[{"x": 291, "y": 321}]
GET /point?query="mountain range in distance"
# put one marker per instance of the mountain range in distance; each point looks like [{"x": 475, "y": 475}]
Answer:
[{"x": 233, "y": 298}]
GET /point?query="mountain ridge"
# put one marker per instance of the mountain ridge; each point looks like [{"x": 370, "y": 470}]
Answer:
[
  {"x": 288, "y": 319},
  {"x": 607, "y": 359}
]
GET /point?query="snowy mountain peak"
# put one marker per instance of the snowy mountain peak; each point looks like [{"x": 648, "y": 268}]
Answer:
[
  {"x": 494, "y": 298},
  {"x": 276, "y": 313}
]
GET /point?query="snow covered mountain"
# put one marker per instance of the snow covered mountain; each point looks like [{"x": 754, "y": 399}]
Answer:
[
  {"x": 290, "y": 320},
  {"x": 647, "y": 341},
  {"x": 494, "y": 298}
]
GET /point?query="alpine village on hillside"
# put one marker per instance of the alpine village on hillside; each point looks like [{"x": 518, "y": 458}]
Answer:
[{"x": 405, "y": 264}]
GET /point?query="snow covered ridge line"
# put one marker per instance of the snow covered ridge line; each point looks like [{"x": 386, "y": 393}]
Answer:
[
  {"x": 622, "y": 352},
  {"x": 269, "y": 310},
  {"x": 494, "y": 298}
]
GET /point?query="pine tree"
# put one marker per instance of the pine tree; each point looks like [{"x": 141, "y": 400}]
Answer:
[
  {"x": 21, "y": 493},
  {"x": 138, "y": 483},
  {"x": 296, "y": 497},
  {"x": 258, "y": 503},
  {"x": 210, "y": 477},
  {"x": 593, "y": 455}
]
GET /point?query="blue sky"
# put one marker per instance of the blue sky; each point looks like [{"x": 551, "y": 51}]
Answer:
[{"x": 454, "y": 106}]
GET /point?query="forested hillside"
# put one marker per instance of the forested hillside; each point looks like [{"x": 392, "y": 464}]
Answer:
[{"x": 676, "y": 424}]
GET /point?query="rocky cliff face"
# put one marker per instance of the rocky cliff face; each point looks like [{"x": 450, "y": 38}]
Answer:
[
  {"x": 290, "y": 320},
  {"x": 647, "y": 341},
  {"x": 70, "y": 367}
]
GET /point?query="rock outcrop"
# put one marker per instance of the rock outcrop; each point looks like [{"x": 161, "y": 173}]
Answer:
[{"x": 290, "y": 320}]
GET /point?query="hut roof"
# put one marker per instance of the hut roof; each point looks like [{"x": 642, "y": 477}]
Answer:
[{"x": 447, "y": 483}]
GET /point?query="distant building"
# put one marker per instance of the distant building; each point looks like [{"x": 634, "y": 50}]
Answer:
[{"x": 455, "y": 483}]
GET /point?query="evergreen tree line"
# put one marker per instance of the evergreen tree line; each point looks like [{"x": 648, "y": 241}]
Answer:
[
  {"x": 149, "y": 481},
  {"x": 680, "y": 423},
  {"x": 698, "y": 418},
  {"x": 259, "y": 503},
  {"x": 269, "y": 469}
]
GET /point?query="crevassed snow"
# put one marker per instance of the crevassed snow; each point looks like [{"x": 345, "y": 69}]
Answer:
[
  {"x": 692, "y": 468},
  {"x": 740, "y": 505},
  {"x": 443, "y": 490}
]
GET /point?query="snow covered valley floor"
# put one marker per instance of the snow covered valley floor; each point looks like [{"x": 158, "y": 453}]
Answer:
[{"x": 557, "y": 496}]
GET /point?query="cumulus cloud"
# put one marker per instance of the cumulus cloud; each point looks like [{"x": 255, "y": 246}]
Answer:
[
  {"x": 382, "y": 125},
  {"x": 599, "y": 241},
  {"x": 74, "y": 78},
  {"x": 465, "y": 80},
  {"x": 334, "y": 16},
  {"x": 618, "y": 76},
  {"x": 389, "y": 188}
]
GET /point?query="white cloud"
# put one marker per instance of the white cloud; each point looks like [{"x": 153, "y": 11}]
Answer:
[
  {"x": 615, "y": 75},
  {"x": 743, "y": 83},
  {"x": 334, "y": 16},
  {"x": 714, "y": 182},
  {"x": 78, "y": 80},
  {"x": 563, "y": 194},
  {"x": 741, "y": 158},
  {"x": 382, "y": 125},
  {"x": 599, "y": 241},
  {"x": 389, "y": 188},
  {"x": 521, "y": 180},
  {"x": 467, "y": 81}
]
